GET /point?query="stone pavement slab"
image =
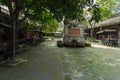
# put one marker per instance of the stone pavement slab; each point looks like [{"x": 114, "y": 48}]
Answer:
[{"x": 40, "y": 65}]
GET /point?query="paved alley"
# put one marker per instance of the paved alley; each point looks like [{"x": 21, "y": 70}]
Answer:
[{"x": 48, "y": 62}]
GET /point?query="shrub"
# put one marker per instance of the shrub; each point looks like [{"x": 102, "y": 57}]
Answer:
[{"x": 91, "y": 39}]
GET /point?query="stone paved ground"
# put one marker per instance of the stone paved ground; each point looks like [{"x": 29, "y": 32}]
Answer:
[
  {"x": 95, "y": 63},
  {"x": 40, "y": 66},
  {"x": 91, "y": 63},
  {"x": 48, "y": 62}
]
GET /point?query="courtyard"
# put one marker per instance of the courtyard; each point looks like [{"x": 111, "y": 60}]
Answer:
[{"x": 48, "y": 62}]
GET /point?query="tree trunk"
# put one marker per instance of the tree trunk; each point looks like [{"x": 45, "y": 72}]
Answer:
[{"x": 91, "y": 32}]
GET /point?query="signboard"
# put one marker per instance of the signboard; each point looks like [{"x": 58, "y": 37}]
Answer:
[{"x": 74, "y": 31}]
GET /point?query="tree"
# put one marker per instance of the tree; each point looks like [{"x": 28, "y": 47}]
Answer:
[
  {"x": 71, "y": 9},
  {"x": 43, "y": 22},
  {"x": 51, "y": 26},
  {"x": 15, "y": 8},
  {"x": 95, "y": 17},
  {"x": 92, "y": 16},
  {"x": 106, "y": 8},
  {"x": 22, "y": 9},
  {"x": 99, "y": 12}
]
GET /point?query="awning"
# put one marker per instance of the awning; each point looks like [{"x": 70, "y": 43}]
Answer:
[
  {"x": 106, "y": 31},
  {"x": 34, "y": 30},
  {"x": 5, "y": 25}
]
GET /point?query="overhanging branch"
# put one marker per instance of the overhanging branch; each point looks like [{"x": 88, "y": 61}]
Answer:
[{"x": 25, "y": 15}]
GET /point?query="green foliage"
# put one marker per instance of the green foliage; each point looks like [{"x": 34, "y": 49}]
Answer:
[
  {"x": 92, "y": 17},
  {"x": 57, "y": 35},
  {"x": 95, "y": 11},
  {"x": 98, "y": 12},
  {"x": 108, "y": 4},
  {"x": 47, "y": 13},
  {"x": 67, "y": 77},
  {"x": 105, "y": 13},
  {"x": 46, "y": 20},
  {"x": 71, "y": 9},
  {"x": 51, "y": 26},
  {"x": 27, "y": 1},
  {"x": 91, "y": 39},
  {"x": 106, "y": 7}
]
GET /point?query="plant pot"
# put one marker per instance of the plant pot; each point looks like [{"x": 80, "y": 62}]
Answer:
[
  {"x": 79, "y": 44},
  {"x": 59, "y": 43},
  {"x": 87, "y": 44}
]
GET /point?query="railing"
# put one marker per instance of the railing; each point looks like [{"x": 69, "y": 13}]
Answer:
[{"x": 110, "y": 42}]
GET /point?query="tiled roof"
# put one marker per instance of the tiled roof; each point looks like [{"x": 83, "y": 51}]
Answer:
[{"x": 109, "y": 22}]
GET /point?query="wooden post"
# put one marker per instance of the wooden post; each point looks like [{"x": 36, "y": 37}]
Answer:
[{"x": 119, "y": 36}]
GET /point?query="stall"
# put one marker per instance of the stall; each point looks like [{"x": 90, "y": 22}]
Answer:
[
  {"x": 109, "y": 37},
  {"x": 32, "y": 37}
]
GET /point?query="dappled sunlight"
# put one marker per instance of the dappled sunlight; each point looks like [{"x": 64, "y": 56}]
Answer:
[
  {"x": 54, "y": 34},
  {"x": 90, "y": 63},
  {"x": 104, "y": 47}
]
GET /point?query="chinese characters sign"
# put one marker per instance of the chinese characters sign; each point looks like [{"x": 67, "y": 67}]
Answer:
[{"x": 74, "y": 31}]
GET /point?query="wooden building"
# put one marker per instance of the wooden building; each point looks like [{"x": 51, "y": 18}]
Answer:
[
  {"x": 108, "y": 31},
  {"x": 6, "y": 32},
  {"x": 33, "y": 37},
  {"x": 23, "y": 36}
]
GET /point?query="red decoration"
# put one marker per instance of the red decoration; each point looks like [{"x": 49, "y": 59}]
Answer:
[{"x": 74, "y": 31}]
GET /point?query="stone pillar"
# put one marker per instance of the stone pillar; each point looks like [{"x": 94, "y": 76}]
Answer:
[
  {"x": 119, "y": 36},
  {"x": 65, "y": 30},
  {"x": 65, "y": 33},
  {"x": 82, "y": 34}
]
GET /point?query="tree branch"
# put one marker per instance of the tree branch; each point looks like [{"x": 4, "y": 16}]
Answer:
[
  {"x": 25, "y": 15},
  {"x": 9, "y": 3},
  {"x": 27, "y": 10}
]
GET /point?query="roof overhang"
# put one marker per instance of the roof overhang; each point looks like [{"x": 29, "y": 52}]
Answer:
[
  {"x": 106, "y": 31},
  {"x": 34, "y": 30},
  {"x": 109, "y": 22},
  {"x": 5, "y": 25}
]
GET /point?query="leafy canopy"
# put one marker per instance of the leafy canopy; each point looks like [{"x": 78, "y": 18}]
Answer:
[
  {"x": 72, "y": 9},
  {"x": 44, "y": 11},
  {"x": 106, "y": 7}
]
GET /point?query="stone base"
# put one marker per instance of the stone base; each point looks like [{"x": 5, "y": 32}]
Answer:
[{"x": 16, "y": 62}]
